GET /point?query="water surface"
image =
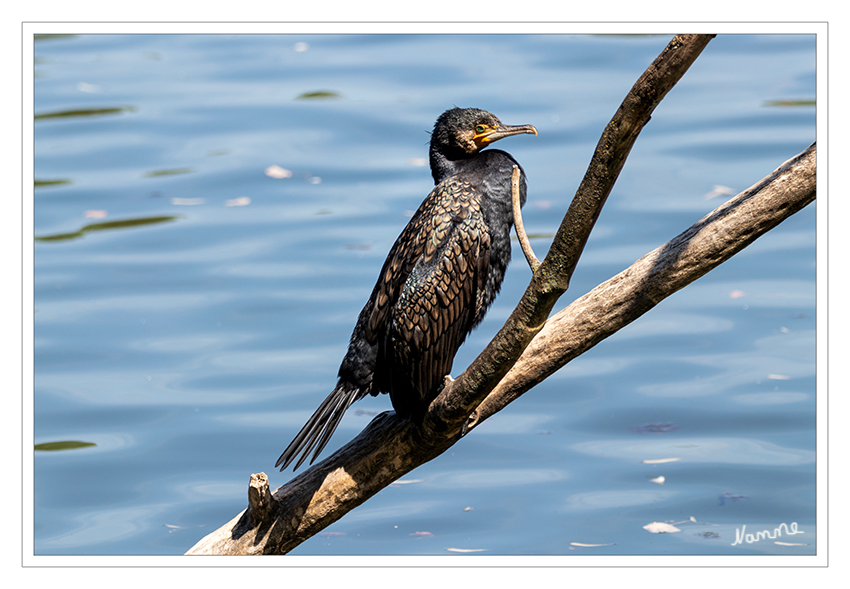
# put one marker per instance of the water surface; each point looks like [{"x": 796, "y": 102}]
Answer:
[{"x": 211, "y": 213}]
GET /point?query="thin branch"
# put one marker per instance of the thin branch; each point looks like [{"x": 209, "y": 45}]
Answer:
[{"x": 533, "y": 262}]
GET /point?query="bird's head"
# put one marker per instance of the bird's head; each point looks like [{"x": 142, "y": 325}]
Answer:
[{"x": 462, "y": 132}]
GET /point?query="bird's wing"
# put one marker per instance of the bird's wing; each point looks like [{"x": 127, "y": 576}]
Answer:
[
  {"x": 404, "y": 254},
  {"x": 436, "y": 305}
]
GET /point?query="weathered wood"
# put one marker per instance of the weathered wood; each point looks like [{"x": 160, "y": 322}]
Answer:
[
  {"x": 389, "y": 447},
  {"x": 385, "y": 450},
  {"x": 620, "y": 300}
]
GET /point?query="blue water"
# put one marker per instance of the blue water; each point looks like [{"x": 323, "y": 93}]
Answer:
[{"x": 188, "y": 348}]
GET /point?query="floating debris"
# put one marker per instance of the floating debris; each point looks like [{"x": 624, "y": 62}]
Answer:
[
  {"x": 241, "y": 201},
  {"x": 172, "y": 528},
  {"x": 187, "y": 202},
  {"x": 88, "y": 88},
  {"x": 660, "y": 460},
  {"x": 277, "y": 172},
  {"x": 661, "y": 528},
  {"x": 658, "y": 480},
  {"x": 591, "y": 545},
  {"x": 422, "y": 534},
  {"x": 466, "y": 549},
  {"x": 718, "y": 191}
]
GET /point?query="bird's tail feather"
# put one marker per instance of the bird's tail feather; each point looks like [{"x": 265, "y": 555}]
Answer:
[{"x": 320, "y": 427}]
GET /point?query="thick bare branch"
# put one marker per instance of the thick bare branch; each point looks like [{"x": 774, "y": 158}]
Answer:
[
  {"x": 617, "y": 302},
  {"x": 390, "y": 447}
]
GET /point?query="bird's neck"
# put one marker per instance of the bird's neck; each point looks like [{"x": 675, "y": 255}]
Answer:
[{"x": 443, "y": 166}]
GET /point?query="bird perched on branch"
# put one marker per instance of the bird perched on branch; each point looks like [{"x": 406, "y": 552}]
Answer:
[{"x": 439, "y": 279}]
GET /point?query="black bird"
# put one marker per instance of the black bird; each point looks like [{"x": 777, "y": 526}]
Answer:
[{"x": 439, "y": 279}]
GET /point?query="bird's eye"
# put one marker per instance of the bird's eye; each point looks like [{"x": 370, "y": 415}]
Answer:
[{"x": 479, "y": 129}]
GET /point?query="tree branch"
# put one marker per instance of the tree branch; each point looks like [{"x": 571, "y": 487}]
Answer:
[
  {"x": 451, "y": 409},
  {"x": 620, "y": 300},
  {"x": 533, "y": 262},
  {"x": 389, "y": 446}
]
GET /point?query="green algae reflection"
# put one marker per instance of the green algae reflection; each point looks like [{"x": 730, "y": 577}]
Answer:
[
  {"x": 318, "y": 95},
  {"x": 67, "y": 445},
  {"x": 168, "y": 172},
  {"x": 84, "y": 112},
  {"x": 106, "y": 225},
  {"x": 44, "y": 183},
  {"x": 789, "y": 103}
]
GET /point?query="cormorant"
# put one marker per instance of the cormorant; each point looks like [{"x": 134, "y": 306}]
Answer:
[{"x": 437, "y": 282}]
